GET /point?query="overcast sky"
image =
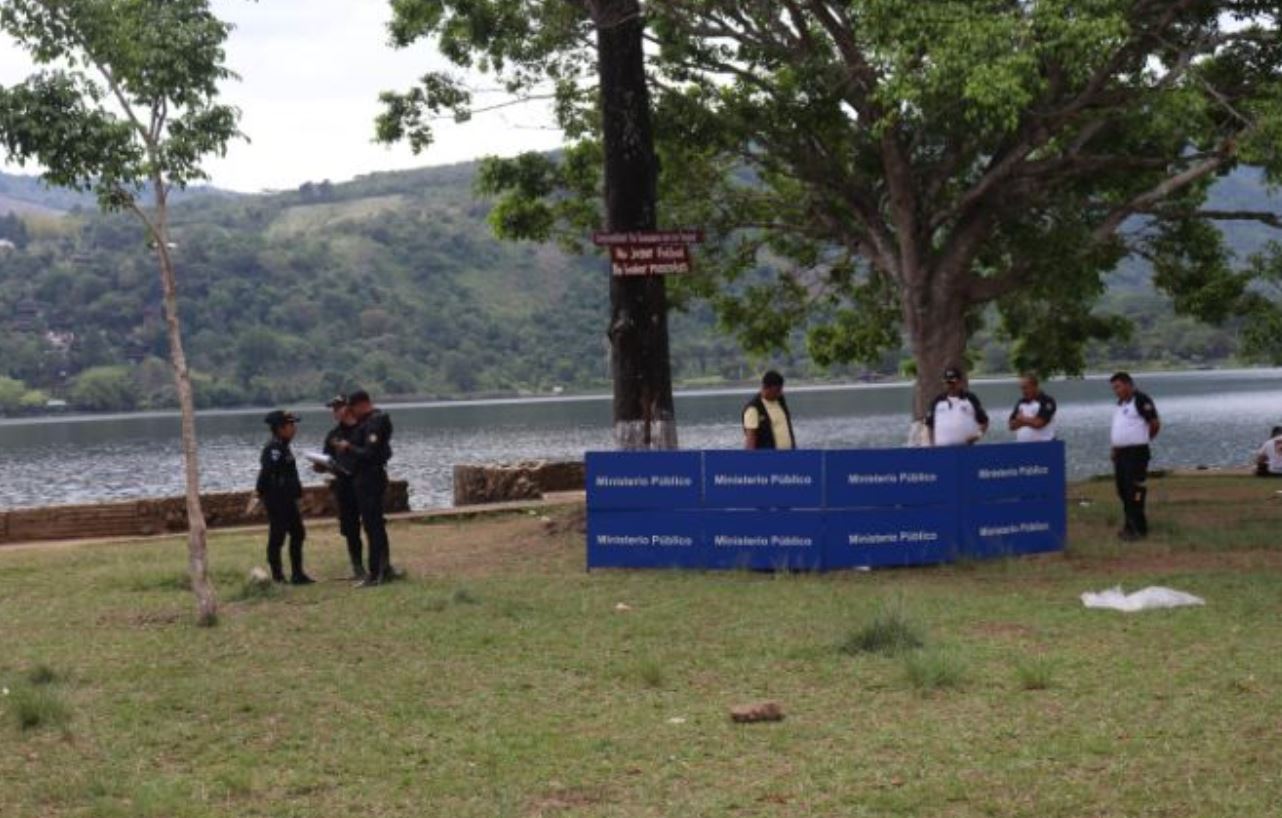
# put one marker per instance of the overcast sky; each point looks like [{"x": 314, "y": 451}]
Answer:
[{"x": 311, "y": 72}]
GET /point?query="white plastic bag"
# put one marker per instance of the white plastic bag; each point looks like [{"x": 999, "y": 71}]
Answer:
[{"x": 1151, "y": 598}]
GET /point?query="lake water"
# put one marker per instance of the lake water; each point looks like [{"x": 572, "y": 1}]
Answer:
[{"x": 1209, "y": 418}]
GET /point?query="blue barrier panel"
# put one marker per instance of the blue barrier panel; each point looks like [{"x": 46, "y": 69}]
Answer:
[
  {"x": 1013, "y": 471},
  {"x": 644, "y": 480},
  {"x": 764, "y": 540},
  {"x": 880, "y": 478},
  {"x": 646, "y": 539},
  {"x": 763, "y": 479},
  {"x": 884, "y": 537},
  {"x": 1008, "y": 529}
]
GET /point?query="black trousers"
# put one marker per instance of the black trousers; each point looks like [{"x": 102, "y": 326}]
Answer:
[
  {"x": 1130, "y": 471},
  {"x": 349, "y": 519},
  {"x": 283, "y": 519},
  {"x": 370, "y": 488}
]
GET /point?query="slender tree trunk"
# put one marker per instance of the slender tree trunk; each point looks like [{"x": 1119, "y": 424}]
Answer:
[
  {"x": 197, "y": 557},
  {"x": 644, "y": 416}
]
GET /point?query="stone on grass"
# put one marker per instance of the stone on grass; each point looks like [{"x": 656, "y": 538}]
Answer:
[
  {"x": 259, "y": 576},
  {"x": 758, "y": 711}
]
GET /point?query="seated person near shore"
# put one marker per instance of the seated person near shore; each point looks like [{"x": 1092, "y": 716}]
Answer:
[
  {"x": 767, "y": 423},
  {"x": 1268, "y": 461}
]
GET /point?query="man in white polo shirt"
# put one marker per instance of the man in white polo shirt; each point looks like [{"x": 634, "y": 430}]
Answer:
[
  {"x": 956, "y": 417},
  {"x": 1135, "y": 424},
  {"x": 1033, "y": 418}
]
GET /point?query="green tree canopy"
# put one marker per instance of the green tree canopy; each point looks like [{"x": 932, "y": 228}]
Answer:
[{"x": 874, "y": 169}]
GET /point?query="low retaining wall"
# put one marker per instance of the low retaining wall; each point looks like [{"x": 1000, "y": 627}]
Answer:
[
  {"x": 506, "y": 482},
  {"x": 143, "y": 518}
]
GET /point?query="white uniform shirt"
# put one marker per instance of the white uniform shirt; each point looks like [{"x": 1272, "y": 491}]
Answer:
[
  {"x": 1042, "y": 406},
  {"x": 1272, "y": 452},
  {"x": 956, "y": 420},
  {"x": 1131, "y": 419}
]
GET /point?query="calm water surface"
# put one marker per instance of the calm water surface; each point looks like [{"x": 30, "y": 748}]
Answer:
[{"x": 1209, "y": 418}]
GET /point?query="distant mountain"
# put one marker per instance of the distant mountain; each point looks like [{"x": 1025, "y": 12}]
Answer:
[
  {"x": 30, "y": 196},
  {"x": 393, "y": 281}
]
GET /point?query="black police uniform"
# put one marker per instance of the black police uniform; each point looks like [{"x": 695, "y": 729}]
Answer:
[
  {"x": 280, "y": 489},
  {"x": 344, "y": 488},
  {"x": 371, "y": 449}
]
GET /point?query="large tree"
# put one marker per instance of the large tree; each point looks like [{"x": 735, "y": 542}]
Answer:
[
  {"x": 125, "y": 103},
  {"x": 875, "y": 172}
]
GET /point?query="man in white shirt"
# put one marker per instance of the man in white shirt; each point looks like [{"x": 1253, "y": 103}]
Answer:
[
  {"x": 1268, "y": 461},
  {"x": 956, "y": 417},
  {"x": 767, "y": 423},
  {"x": 1033, "y": 418},
  {"x": 1135, "y": 424}
]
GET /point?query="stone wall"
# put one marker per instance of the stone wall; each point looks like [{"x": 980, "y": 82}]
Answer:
[
  {"x": 508, "y": 482},
  {"x": 142, "y": 518}
]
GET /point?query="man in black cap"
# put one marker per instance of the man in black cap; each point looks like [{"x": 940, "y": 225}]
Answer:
[
  {"x": 1135, "y": 425},
  {"x": 956, "y": 417},
  {"x": 343, "y": 487},
  {"x": 370, "y": 448},
  {"x": 280, "y": 490}
]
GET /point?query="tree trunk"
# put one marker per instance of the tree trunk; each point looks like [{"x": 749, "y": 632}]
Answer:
[
  {"x": 936, "y": 324},
  {"x": 644, "y": 416},
  {"x": 197, "y": 559}
]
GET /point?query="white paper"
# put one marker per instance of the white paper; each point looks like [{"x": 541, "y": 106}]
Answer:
[
  {"x": 320, "y": 459},
  {"x": 1148, "y": 599}
]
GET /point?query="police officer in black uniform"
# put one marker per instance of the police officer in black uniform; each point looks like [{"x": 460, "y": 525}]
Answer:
[
  {"x": 370, "y": 448},
  {"x": 280, "y": 490},
  {"x": 343, "y": 485}
]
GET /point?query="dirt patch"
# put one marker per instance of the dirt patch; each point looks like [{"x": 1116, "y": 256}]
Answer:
[
  {"x": 142, "y": 619},
  {"x": 1179, "y": 562},
  {"x": 521, "y": 543},
  {"x": 564, "y": 800},
  {"x": 574, "y": 521},
  {"x": 1003, "y": 630}
]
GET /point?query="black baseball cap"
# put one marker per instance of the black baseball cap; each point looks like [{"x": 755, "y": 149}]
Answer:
[
  {"x": 337, "y": 400},
  {"x": 359, "y": 396},
  {"x": 278, "y": 418},
  {"x": 952, "y": 373}
]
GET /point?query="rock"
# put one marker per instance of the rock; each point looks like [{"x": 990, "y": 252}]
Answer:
[
  {"x": 507, "y": 482},
  {"x": 477, "y": 485},
  {"x": 759, "y": 711},
  {"x": 623, "y": 607},
  {"x": 259, "y": 576}
]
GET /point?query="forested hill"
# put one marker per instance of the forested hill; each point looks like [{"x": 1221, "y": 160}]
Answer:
[{"x": 392, "y": 281}]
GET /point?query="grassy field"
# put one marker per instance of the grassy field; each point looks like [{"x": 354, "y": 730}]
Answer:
[{"x": 501, "y": 680}]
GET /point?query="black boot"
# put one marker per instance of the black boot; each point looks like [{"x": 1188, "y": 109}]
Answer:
[
  {"x": 296, "y": 574},
  {"x": 278, "y": 573}
]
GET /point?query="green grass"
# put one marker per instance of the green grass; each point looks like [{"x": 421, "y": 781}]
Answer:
[
  {"x": 34, "y": 703},
  {"x": 890, "y": 632},
  {"x": 934, "y": 669},
  {"x": 501, "y": 680},
  {"x": 1035, "y": 672}
]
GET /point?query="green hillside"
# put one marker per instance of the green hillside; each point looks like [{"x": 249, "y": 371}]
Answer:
[{"x": 392, "y": 281}]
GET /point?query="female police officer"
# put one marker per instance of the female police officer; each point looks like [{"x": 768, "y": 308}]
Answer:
[{"x": 280, "y": 490}]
